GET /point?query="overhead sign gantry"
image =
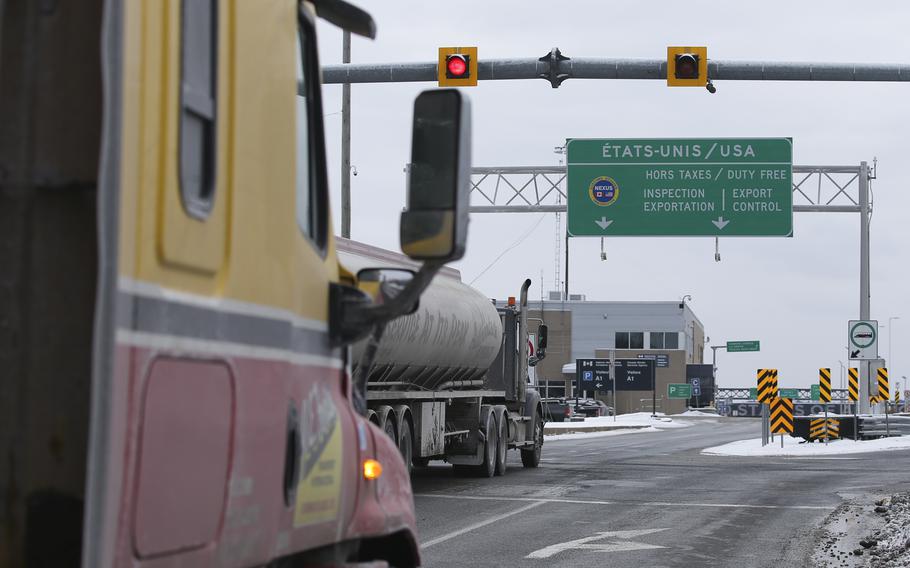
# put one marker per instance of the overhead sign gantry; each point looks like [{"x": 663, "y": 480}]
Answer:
[{"x": 680, "y": 187}]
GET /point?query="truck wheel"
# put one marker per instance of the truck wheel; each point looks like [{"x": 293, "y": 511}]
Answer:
[
  {"x": 502, "y": 443},
  {"x": 405, "y": 444},
  {"x": 389, "y": 427},
  {"x": 488, "y": 467},
  {"x": 531, "y": 457}
]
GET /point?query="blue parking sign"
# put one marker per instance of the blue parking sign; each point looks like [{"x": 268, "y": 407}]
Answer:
[{"x": 587, "y": 375}]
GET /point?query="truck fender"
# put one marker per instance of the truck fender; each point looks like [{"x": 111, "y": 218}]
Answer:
[{"x": 533, "y": 407}]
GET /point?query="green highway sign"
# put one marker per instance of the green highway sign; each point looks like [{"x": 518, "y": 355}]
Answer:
[
  {"x": 814, "y": 395},
  {"x": 789, "y": 393},
  {"x": 723, "y": 187},
  {"x": 679, "y": 390},
  {"x": 739, "y": 346},
  {"x": 753, "y": 393}
]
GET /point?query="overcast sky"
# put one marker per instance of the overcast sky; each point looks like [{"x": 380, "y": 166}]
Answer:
[{"x": 796, "y": 294}]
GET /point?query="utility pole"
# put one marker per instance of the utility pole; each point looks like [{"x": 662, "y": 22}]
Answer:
[{"x": 346, "y": 143}]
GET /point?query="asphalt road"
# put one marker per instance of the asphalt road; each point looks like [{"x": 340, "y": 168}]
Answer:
[{"x": 644, "y": 499}]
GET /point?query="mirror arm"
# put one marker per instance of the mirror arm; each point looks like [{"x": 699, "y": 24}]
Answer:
[
  {"x": 377, "y": 317},
  {"x": 363, "y": 368}
]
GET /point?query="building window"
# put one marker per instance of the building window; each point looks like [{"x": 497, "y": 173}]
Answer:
[
  {"x": 622, "y": 340},
  {"x": 630, "y": 340},
  {"x": 664, "y": 340},
  {"x": 656, "y": 340},
  {"x": 198, "y": 79}
]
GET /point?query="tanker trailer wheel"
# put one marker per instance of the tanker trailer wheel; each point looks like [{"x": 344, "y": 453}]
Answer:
[
  {"x": 488, "y": 467},
  {"x": 387, "y": 422},
  {"x": 531, "y": 457},
  {"x": 406, "y": 443},
  {"x": 502, "y": 442}
]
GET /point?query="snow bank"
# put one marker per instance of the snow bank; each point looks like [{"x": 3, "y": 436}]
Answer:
[
  {"x": 641, "y": 419},
  {"x": 891, "y": 544},
  {"x": 600, "y": 434},
  {"x": 696, "y": 413},
  {"x": 600, "y": 426},
  {"x": 794, "y": 447}
]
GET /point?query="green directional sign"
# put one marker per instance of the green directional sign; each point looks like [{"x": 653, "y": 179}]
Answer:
[
  {"x": 680, "y": 187},
  {"x": 814, "y": 394},
  {"x": 753, "y": 393},
  {"x": 789, "y": 393},
  {"x": 679, "y": 390},
  {"x": 739, "y": 346}
]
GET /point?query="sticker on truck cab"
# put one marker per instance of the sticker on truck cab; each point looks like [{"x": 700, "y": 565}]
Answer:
[{"x": 319, "y": 484}]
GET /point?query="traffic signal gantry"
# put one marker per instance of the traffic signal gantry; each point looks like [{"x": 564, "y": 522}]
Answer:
[{"x": 687, "y": 66}]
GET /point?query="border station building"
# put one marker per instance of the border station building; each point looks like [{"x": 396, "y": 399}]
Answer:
[{"x": 580, "y": 329}]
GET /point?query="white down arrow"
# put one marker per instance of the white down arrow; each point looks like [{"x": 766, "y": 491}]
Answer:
[
  {"x": 603, "y": 223},
  {"x": 720, "y": 222}
]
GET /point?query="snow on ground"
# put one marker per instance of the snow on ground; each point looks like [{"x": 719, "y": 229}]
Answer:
[
  {"x": 640, "y": 419},
  {"x": 794, "y": 447},
  {"x": 599, "y": 426},
  {"x": 890, "y": 546},
  {"x": 597, "y": 434},
  {"x": 696, "y": 414}
]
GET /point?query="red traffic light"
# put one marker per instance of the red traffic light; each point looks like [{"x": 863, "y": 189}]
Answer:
[{"x": 458, "y": 66}]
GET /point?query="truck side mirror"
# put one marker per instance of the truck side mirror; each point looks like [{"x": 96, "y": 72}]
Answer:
[
  {"x": 435, "y": 224},
  {"x": 383, "y": 284},
  {"x": 542, "y": 336}
]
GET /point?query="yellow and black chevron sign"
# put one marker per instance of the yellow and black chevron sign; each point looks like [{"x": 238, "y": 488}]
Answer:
[
  {"x": 853, "y": 384},
  {"x": 817, "y": 428},
  {"x": 782, "y": 416},
  {"x": 767, "y": 385},
  {"x": 897, "y": 396},
  {"x": 874, "y": 399},
  {"x": 824, "y": 384},
  {"x": 883, "y": 390}
]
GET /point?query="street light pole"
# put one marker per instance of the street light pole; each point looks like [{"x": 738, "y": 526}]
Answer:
[{"x": 714, "y": 349}]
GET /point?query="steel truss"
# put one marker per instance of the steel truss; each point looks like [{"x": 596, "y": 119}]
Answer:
[
  {"x": 542, "y": 189},
  {"x": 740, "y": 393}
]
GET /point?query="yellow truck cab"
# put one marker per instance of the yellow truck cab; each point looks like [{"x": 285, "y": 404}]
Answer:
[{"x": 174, "y": 332}]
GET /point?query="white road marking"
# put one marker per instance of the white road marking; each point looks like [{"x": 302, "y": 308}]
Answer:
[
  {"x": 484, "y": 523},
  {"x": 626, "y": 503},
  {"x": 583, "y": 543}
]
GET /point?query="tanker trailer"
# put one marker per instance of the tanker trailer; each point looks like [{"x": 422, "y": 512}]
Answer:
[{"x": 450, "y": 380}]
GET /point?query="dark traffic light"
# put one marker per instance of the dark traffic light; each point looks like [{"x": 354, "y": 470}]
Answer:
[{"x": 687, "y": 67}]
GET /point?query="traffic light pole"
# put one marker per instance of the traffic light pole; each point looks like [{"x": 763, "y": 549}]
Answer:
[
  {"x": 346, "y": 144},
  {"x": 556, "y": 68},
  {"x": 866, "y": 372}
]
